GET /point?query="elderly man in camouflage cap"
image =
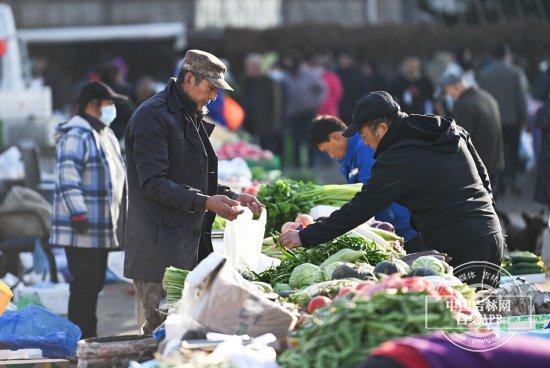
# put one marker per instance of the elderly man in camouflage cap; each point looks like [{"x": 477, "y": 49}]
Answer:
[{"x": 173, "y": 191}]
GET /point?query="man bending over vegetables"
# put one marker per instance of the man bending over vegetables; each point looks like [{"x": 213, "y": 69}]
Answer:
[
  {"x": 356, "y": 160},
  {"x": 427, "y": 164}
]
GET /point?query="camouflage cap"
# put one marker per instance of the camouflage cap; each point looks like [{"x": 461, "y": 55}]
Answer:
[{"x": 208, "y": 66}]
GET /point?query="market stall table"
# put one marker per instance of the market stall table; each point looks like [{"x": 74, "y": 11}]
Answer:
[{"x": 35, "y": 363}]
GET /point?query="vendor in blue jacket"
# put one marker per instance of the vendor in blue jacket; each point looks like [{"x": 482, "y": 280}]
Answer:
[{"x": 356, "y": 160}]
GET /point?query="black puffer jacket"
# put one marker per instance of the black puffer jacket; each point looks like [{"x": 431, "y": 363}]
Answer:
[{"x": 427, "y": 164}]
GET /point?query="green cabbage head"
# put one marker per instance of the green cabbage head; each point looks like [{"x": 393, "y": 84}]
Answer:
[
  {"x": 306, "y": 274},
  {"x": 429, "y": 262}
]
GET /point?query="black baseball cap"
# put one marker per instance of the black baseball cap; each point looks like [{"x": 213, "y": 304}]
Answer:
[
  {"x": 96, "y": 90},
  {"x": 371, "y": 106}
]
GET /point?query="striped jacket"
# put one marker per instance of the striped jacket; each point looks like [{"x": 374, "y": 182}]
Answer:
[{"x": 83, "y": 185}]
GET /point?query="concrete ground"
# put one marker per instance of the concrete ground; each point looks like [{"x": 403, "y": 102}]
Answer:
[{"x": 117, "y": 309}]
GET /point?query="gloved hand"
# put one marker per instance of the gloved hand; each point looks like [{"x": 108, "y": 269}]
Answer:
[{"x": 80, "y": 224}]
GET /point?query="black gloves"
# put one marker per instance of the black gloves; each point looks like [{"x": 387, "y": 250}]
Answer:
[{"x": 80, "y": 224}]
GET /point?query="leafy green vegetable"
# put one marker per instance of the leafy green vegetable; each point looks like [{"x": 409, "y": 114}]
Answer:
[
  {"x": 429, "y": 262},
  {"x": 328, "y": 288},
  {"x": 422, "y": 272},
  {"x": 387, "y": 235},
  {"x": 286, "y": 198},
  {"x": 172, "y": 282},
  {"x": 219, "y": 223},
  {"x": 317, "y": 255},
  {"x": 305, "y": 274},
  {"x": 271, "y": 248},
  {"x": 391, "y": 246},
  {"x": 402, "y": 266},
  {"x": 344, "y": 255},
  {"x": 280, "y": 288},
  {"x": 258, "y": 172}
]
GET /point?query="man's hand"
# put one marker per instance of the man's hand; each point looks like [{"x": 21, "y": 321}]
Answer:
[
  {"x": 251, "y": 202},
  {"x": 223, "y": 206},
  {"x": 80, "y": 224},
  {"x": 291, "y": 239}
]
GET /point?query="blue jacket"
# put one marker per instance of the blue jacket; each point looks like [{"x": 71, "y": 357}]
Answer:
[{"x": 356, "y": 168}]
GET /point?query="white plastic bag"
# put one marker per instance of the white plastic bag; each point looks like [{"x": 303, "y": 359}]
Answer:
[
  {"x": 257, "y": 354},
  {"x": 217, "y": 298},
  {"x": 11, "y": 165},
  {"x": 243, "y": 238}
]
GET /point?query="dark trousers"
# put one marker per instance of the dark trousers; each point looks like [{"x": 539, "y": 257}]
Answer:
[
  {"x": 87, "y": 267},
  {"x": 299, "y": 130},
  {"x": 510, "y": 136},
  {"x": 150, "y": 295},
  {"x": 487, "y": 249}
]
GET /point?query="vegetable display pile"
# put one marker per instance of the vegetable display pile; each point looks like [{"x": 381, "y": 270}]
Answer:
[
  {"x": 327, "y": 289},
  {"x": 219, "y": 223},
  {"x": 285, "y": 199},
  {"x": 523, "y": 263},
  {"x": 243, "y": 149},
  {"x": 345, "y": 248},
  {"x": 172, "y": 282},
  {"x": 385, "y": 240},
  {"x": 430, "y": 263},
  {"x": 341, "y": 332}
]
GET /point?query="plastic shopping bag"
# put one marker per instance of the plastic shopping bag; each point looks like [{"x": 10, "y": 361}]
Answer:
[
  {"x": 219, "y": 299},
  {"x": 243, "y": 238},
  {"x": 36, "y": 327},
  {"x": 257, "y": 354}
]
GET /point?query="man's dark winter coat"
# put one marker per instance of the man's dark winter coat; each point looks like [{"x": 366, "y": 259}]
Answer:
[
  {"x": 477, "y": 112},
  {"x": 172, "y": 167}
]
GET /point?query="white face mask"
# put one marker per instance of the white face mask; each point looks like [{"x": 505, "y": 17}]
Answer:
[{"x": 108, "y": 114}]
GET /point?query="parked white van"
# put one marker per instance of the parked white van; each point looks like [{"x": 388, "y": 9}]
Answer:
[{"x": 25, "y": 108}]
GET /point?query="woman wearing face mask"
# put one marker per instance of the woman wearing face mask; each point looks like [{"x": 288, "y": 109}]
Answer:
[{"x": 89, "y": 204}]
